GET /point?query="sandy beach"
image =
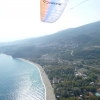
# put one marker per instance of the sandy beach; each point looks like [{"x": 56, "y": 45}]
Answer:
[{"x": 49, "y": 90}]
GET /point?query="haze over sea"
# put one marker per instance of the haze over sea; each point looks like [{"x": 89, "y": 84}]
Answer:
[{"x": 19, "y": 80}]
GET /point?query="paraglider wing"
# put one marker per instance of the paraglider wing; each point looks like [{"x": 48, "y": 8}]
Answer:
[{"x": 51, "y": 10}]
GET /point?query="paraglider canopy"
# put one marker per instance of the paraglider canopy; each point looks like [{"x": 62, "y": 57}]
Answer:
[{"x": 51, "y": 10}]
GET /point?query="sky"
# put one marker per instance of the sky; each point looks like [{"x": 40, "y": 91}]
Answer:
[{"x": 20, "y": 19}]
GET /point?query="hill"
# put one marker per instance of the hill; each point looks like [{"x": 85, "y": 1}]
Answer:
[
  {"x": 70, "y": 56},
  {"x": 71, "y": 44}
]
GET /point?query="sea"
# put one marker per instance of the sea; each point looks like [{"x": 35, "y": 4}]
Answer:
[{"x": 20, "y": 80}]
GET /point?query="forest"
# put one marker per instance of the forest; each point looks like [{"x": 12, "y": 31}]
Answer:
[{"x": 70, "y": 58}]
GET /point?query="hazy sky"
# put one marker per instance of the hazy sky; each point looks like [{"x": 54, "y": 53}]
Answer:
[{"x": 20, "y": 19}]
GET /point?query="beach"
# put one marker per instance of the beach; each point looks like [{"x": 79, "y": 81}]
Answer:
[{"x": 49, "y": 90}]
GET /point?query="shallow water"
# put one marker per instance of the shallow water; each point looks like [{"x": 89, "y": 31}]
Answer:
[{"x": 19, "y": 80}]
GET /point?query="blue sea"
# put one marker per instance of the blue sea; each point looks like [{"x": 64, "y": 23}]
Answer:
[{"x": 19, "y": 80}]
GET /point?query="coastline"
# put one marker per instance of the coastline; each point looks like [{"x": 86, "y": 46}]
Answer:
[{"x": 49, "y": 95}]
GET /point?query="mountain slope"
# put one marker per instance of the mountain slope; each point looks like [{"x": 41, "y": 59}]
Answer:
[{"x": 59, "y": 46}]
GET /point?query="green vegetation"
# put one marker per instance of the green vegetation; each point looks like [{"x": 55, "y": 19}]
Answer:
[
  {"x": 70, "y": 58},
  {"x": 70, "y": 86}
]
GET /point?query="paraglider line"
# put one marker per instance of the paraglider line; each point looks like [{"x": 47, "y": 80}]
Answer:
[{"x": 77, "y": 5}]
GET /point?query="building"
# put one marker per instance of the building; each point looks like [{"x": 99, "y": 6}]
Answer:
[{"x": 55, "y": 81}]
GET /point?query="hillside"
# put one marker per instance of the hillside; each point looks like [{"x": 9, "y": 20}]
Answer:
[
  {"x": 75, "y": 43},
  {"x": 71, "y": 57}
]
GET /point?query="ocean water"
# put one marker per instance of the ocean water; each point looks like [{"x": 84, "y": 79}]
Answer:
[{"x": 19, "y": 80}]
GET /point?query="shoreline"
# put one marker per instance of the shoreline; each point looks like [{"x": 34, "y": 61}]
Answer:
[{"x": 49, "y": 94}]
